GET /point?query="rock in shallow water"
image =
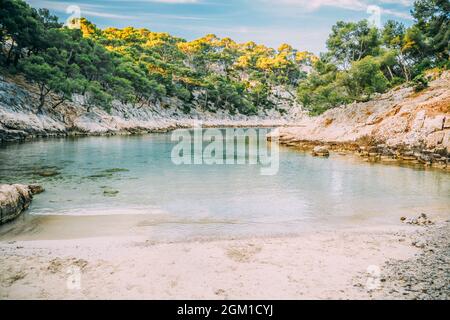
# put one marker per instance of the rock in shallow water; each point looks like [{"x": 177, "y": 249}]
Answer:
[
  {"x": 36, "y": 189},
  {"x": 320, "y": 151},
  {"x": 421, "y": 220},
  {"x": 48, "y": 173},
  {"x": 14, "y": 199},
  {"x": 110, "y": 192}
]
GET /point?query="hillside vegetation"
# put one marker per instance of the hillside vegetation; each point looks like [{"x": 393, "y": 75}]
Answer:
[{"x": 139, "y": 67}]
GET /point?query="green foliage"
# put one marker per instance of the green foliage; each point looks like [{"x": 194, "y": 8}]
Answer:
[
  {"x": 182, "y": 93},
  {"x": 364, "y": 79},
  {"x": 23, "y": 27},
  {"x": 259, "y": 95},
  {"x": 433, "y": 23},
  {"x": 47, "y": 77},
  {"x": 322, "y": 89},
  {"x": 328, "y": 87},
  {"x": 420, "y": 83},
  {"x": 139, "y": 67},
  {"x": 371, "y": 61},
  {"x": 352, "y": 41},
  {"x": 98, "y": 97}
]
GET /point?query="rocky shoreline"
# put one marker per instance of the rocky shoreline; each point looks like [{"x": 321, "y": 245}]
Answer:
[
  {"x": 15, "y": 199},
  {"x": 19, "y": 119},
  {"x": 437, "y": 158},
  {"x": 400, "y": 127},
  {"x": 426, "y": 276}
]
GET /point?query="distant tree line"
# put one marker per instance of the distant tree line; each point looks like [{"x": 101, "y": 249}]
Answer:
[
  {"x": 140, "y": 67},
  {"x": 362, "y": 60}
]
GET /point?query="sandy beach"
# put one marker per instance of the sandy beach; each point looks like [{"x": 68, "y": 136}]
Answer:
[{"x": 346, "y": 263}]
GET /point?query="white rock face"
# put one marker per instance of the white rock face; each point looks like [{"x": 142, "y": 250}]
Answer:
[
  {"x": 19, "y": 118},
  {"x": 399, "y": 117},
  {"x": 14, "y": 199}
]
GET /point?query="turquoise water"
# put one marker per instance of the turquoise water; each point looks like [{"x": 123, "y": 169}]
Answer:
[{"x": 135, "y": 175}]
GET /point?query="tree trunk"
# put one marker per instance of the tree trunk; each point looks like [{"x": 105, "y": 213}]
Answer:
[
  {"x": 58, "y": 103},
  {"x": 405, "y": 70},
  {"x": 206, "y": 100},
  {"x": 8, "y": 57},
  {"x": 42, "y": 94},
  {"x": 17, "y": 56},
  {"x": 390, "y": 72}
]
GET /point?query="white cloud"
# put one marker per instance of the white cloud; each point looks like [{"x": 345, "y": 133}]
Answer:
[
  {"x": 299, "y": 38},
  {"x": 104, "y": 15},
  {"x": 405, "y": 3},
  {"x": 176, "y": 1},
  {"x": 316, "y": 4},
  {"x": 394, "y": 13},
  {"x": 175, "y": 17},
  {"x": 61, "y": 5},
  {"x": 172, "y": 1},
  {"x": 354, "y": 5}
]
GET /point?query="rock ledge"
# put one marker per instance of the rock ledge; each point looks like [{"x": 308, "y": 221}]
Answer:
[{"x": 14, "y": 199}]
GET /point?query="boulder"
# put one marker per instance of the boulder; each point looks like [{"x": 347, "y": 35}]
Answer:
[
  {"x": 433, "y": 124},
  {"x": 36, "y": 189},
  {"x": 421, "y": 220},
  {"x": 14, "y": 199},
  {"x": 320, "y": 151}
]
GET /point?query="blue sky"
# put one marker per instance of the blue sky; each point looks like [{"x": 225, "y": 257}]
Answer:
[{"x": 305, "y": 24}]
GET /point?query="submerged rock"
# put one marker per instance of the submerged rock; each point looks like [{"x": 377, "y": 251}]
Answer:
[
  {"x": 110, "y": 192},
  {"x": 14, "y": 199},
  {"x": 48, "y": 173},
  {"x": 100, "y": 175},
  {"x": 114, "y": 170},
  {"x": 36, "y": 189}
]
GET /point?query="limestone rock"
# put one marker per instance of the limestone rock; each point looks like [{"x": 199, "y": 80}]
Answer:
[
  {"x": 421, "y": 220},
  {"x": 19, "y": 119},
  {"x": 394, "y": 119},
  {"x": 14, "y": 199},
  {"x": 320, "y": 151},
  {"x": 36, "y": 189}
]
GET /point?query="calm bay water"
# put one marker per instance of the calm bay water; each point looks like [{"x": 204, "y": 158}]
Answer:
[{"x": 134, "y": 175}]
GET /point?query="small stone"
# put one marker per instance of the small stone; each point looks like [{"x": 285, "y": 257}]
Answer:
[
  {"x": 418, "y": 244},
  {"x": 48, "y": 173},
  {"x": 320, "y": 151},
  {"x": 110, "y": 192},
  {"x": 36, "y": 189}
]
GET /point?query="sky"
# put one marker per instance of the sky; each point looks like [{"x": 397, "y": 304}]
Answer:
[{"x": 304, "y": 24}]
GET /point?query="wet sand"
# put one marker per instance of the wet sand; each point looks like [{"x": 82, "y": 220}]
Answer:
[{"x": 37, "y": 263}]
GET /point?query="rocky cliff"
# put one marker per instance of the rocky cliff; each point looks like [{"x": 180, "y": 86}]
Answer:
[
  {"x": 14, "y": 199},
  {"x": 402, "y": 124},
  {"x": 399, "y": 119},
  {"x": 19, "y": 118}
]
